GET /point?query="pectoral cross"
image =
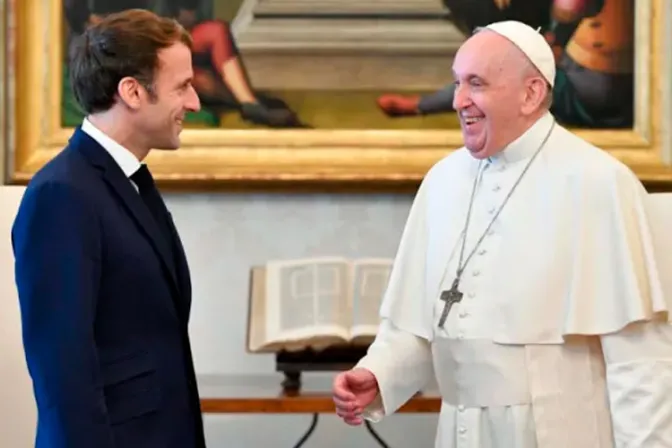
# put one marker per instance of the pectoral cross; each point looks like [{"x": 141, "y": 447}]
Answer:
[{"x": 453, "y": 295}]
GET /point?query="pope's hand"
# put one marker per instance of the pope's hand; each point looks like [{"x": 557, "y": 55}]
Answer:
[{"x": 354, "y": 390}]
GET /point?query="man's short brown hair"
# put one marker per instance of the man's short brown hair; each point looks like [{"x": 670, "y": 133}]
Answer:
[{"x": 122, "y": 44}]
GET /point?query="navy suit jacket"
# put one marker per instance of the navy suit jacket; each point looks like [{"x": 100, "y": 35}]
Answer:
[{"x": 104, "y": 309}]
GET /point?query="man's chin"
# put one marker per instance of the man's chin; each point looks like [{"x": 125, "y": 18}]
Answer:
[
  {"x": 479, "y": 155},
  {"x": 168, "y": 146},
  {"x": 477, "y": 151}
]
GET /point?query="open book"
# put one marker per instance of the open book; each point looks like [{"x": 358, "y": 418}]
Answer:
[{"x": 315, "y": 302}]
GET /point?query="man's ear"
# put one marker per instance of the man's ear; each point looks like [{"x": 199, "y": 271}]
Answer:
[
  {"x": 130, "y": 92},
  {"x": 535, "y": 93}
]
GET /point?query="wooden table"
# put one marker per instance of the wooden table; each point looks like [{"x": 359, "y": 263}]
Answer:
[{"x": 263, "y": 394}]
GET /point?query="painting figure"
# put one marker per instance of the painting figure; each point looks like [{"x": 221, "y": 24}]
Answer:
[
  {"x": 244, "y": 81},
  {"x": 593, "y": 41},
  {"x": 219, "y": 72}
]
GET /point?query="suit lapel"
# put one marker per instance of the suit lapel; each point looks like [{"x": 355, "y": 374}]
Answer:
[
  {"x": 182, "y": 267},
  {"x": 129, "y": 197},
  {"x": 137, "y": 208}
]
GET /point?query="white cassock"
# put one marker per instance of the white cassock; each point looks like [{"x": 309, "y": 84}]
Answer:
[{"x": 562, "y": 337}]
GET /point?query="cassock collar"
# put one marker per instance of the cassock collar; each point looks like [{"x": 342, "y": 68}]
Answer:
[{"x": 525, "y": 145}]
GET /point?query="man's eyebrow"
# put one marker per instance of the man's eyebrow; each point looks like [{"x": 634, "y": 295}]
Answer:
[
  {"x": 470, "y": 76},
  {"x": 474, "y": 77},
  {"x": 186, "y": 81}
]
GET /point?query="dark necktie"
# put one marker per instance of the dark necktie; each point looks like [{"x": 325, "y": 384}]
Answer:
[{"x": 152, "y": 199}]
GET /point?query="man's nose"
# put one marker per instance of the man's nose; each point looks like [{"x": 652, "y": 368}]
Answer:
[
  {"x": 194, "y": 102},
  {"x": 461, "y": 98}
]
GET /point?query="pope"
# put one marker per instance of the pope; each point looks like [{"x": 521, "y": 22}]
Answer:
[{"x": 525, "y": 282}]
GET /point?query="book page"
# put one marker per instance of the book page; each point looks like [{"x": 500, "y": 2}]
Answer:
[
  {"x": 370, "y": 278},
  {"x": 307, "y": 298}
]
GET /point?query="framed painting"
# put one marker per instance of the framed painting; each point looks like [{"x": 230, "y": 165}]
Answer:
[{"x": 346, "y": 93}]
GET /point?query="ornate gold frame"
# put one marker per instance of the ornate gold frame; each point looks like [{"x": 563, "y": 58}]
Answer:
[{"x": 363, "y": 160}]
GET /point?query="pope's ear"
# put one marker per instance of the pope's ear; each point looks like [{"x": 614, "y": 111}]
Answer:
[{"x": 536, "y": 90}]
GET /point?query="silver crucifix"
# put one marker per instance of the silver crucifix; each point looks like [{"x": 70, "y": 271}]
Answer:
[{"x": 450, "y": 297}]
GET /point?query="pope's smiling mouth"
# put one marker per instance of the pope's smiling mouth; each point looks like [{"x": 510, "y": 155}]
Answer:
[{"x": 472, "y": 120}]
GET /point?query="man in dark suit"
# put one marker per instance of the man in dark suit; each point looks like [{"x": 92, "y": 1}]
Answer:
[{"x": 102, "y": 277}]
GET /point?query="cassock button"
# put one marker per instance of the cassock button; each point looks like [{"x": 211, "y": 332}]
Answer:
[
  {"x": 472, "y": 295},
  {"x": 496, "y": 188},
  {"x": 476, "y": 273},
  {"x": 462, "y": 430},
  {"x": 492, "y": 210},
  {"x": 460, "y": 408},
  {"x": 481, "y": 252},
  {"x": 463, "y": 314}
]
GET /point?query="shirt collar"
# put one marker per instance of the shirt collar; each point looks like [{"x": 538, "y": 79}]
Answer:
[
  {"x": 525, "y": 145},
  {"x": 128, "y": 163}
]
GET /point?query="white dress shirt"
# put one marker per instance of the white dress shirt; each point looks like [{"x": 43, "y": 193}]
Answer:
[{"x": 126, "y": 160}]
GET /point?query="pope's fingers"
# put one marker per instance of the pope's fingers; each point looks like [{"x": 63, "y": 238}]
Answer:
[
  {"x": 343, "y": 395},
  {"x": 349, "y": 416},
  {"x": 341, "y": 389},
  {"x": 347, "y": 412},
  {"x": 354, "y": 421},
  {"x": 349, "y": 405}
]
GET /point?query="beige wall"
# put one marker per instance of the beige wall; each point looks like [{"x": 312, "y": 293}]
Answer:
[
  {"x": 17, "y": 408},
  {"x": 226, "y": 234}
]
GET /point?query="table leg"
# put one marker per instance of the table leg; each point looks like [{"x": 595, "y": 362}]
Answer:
[
  {"x": 375, "y": 435},
  {"x": 308, "y": 433}
]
